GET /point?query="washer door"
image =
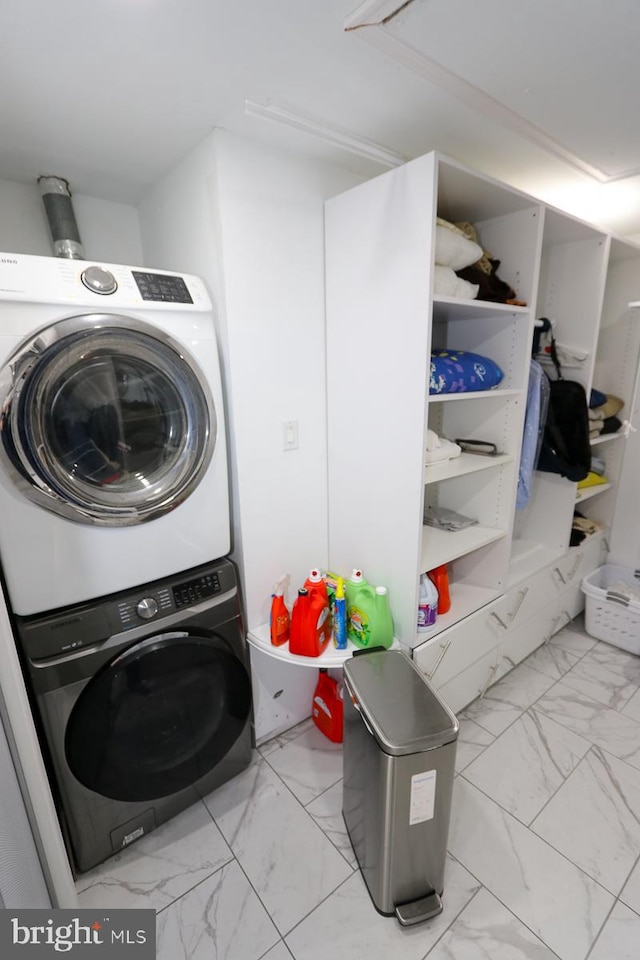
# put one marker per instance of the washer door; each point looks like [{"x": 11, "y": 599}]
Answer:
[
  {"x": 158, "y": 717},
  {"x": 105, "y": 420}
]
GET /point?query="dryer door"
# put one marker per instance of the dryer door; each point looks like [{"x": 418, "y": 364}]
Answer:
[
  {"x": 105, "y": 420},
  {"x": 158, "y": 717}
]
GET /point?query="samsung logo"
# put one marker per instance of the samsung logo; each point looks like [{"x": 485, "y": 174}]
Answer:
[{"x": 7, "y": 260}]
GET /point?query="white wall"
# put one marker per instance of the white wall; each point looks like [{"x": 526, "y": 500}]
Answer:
[
  {"x": 249, "y": 219},
  {"x": 109, "y": 231}
]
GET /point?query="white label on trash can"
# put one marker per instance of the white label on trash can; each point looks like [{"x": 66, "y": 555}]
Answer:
[{"x": 423, "y": 797}]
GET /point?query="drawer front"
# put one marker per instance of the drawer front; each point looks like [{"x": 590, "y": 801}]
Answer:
[
  {"x": 447, "y": 654},
  {"x": 577, "y": 563},
  {"x": 472, "y": 682},
  {"x": 522, "y": 601},
  {"x": 516, "y": 646}
]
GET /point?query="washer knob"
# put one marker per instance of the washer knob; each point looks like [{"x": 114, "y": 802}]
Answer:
[
  {"x": 99, "y": 280},
  {"x": 147, "y": 608}
]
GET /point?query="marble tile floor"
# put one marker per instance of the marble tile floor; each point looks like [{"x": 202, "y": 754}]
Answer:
[{"x": 544, "y": 845}]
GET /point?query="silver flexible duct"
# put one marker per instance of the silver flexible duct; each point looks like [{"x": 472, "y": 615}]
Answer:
[{"x": 56, "y": 197}]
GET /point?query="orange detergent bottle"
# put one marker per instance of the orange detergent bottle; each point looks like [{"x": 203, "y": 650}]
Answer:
[
  {"x": 327, "y": 708},
  {"x": 439, "y": 576},
  {"x": 310, "y": 629}
]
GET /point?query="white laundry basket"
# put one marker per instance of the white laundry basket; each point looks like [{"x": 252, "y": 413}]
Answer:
[{"x": 612, "y": 615}]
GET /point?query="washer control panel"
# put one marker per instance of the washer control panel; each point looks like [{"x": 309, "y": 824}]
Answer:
[
  {"x": 162, "y": 288},
  {"x": 131, "y": 610},
  {"x": 147, "y": 608},
  {"x": 99, "y": 280},
  {"x": 174, "y": 601},
  {"x": 193, "y": 591}
]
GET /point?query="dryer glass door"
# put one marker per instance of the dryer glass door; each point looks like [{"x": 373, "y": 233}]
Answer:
[
  {"x": 158, "y": 717},
  {"x": 106, "y": 420}
]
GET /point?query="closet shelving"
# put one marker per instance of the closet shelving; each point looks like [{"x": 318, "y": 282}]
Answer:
[{"x": 383, "y": 322}]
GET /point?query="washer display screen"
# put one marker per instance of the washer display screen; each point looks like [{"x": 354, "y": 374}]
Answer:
[{"x": 159, "y": 287}]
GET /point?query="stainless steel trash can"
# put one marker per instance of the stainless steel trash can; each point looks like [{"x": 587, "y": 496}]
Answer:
[{"x": 399, "y": 755}]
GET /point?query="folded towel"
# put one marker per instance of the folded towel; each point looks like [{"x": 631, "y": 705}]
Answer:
[
  {"x": 592, "y": 480},
  {"x": 440, "y": 449},
  {"x": 611, "y": 407}
]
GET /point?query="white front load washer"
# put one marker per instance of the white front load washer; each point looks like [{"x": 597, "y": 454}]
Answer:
[{"x": 113, "y": 464}]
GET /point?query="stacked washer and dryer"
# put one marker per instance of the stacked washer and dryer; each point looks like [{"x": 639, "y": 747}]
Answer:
[{"x": 114, "y": 526}]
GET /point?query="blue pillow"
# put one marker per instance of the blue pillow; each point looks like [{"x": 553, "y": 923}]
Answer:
[{"x": 457, "y": 371}]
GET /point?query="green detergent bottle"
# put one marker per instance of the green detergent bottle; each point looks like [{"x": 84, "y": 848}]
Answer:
[
  {"x": 368, "y": 616},
  {"x": 382, "y": 621}
]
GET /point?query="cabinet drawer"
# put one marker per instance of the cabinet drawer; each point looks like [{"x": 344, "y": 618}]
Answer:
[
  {"x": 472, "y": 682},
  {"x": 451, "y": 651},
  {"x": 519, "y": 644},
  {"x": 577, "y": 563},
  {"x": 521, "y": 601},
  {"x": 516, "y": 646}
]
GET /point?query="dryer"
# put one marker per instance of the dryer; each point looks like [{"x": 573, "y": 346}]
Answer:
[
  {"x": 143, "y": 704},
  {"x": 113, "y": 464}
]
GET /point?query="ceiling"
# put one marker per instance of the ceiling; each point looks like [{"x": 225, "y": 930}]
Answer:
[{"x": 113, "y": 93}]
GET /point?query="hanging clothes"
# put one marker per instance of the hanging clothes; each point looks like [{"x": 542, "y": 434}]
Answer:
[{"x": 535, "y": 418}]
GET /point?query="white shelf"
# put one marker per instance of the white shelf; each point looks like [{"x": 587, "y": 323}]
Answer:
[
  {"x": 607, "y": 437},
  {"x": 454, "y": 308},
  {"x": 465, "y": 463},
  {"x": 471, "y": 395},
  {"x": 259, "y": 637},
  {"x": 443, "y": 546},
  {"x": 588, "y": 492},
  {"x": 465, "y": 599}
]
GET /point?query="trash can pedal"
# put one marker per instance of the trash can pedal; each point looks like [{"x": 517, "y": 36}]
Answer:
[{"x": 418, "y": 910}]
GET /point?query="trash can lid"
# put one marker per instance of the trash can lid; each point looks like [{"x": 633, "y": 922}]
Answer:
[{"x": 404, "y": 712}]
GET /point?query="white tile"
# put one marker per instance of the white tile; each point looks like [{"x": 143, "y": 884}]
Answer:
[
  {"x": 275, "y": 743},
  {"x": 486, "y": 930},
  {"x": 291, "y": 864},
  {"x": 594, "y": 818},
  {"x": 632, "y": 706},
  {"x": 220, "y": 919},
  {"x": 348, "y": 927},
  {"x": 607, "y": 674},
  {"x": 508, "y": 699},
  {"x": 631, "y": 890},
  {"x": 618, "y": 659},
  {"x": 561, "y": 905},
  {"x": 574, "y": 639},
  {"x": 524, "y": 767},
  {"x": 279, "y": 952},
  {"x": 309, "y": 764},
  {"x": 577, "y": 624},
  {"x": 157, "y": 869},
  {"x": 609, "y": 729},
  {"x": 620, "y": 936},
  {"x": 472, "y": 740},
  {"x": 326, "y": 810},
  {"x": 552, "y": 660}
]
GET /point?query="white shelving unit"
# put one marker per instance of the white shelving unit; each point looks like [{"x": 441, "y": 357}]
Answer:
[{"x": 382, "y": 325}]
